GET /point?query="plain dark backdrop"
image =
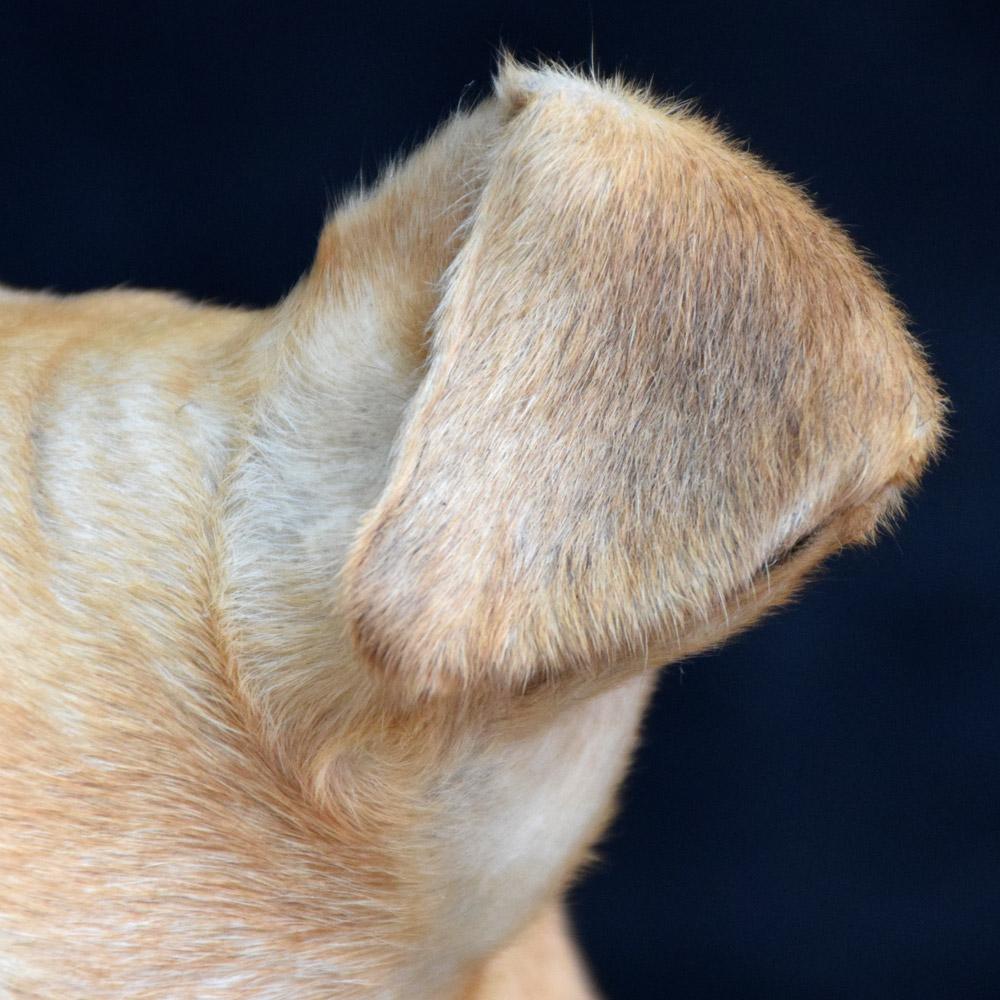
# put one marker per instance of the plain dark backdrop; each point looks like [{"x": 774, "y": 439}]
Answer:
[{"x": 816, "y": 809}]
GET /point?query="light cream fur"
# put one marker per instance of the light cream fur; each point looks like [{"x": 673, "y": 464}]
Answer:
[{"x": 326, "y": 630}]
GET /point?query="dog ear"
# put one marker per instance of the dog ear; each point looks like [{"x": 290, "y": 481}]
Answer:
[{"x": 654, "y": 367}]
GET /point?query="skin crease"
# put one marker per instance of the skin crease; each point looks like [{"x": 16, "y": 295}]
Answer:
[{"x": 327, "y": 629}]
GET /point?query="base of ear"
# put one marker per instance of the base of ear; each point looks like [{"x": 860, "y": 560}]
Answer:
[{"x": 516, "y": 86}]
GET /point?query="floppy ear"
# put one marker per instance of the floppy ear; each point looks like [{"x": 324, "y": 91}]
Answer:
[{"x": 654, "y": 367}]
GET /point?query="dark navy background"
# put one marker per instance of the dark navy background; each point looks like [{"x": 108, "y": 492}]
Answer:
[{"x": 816, "y": 810}]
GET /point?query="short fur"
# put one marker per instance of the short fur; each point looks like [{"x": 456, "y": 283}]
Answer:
[{"x": 327, "y": 629}]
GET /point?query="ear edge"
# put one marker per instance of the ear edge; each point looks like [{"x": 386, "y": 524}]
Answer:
[{"x": 778, "y": 581}]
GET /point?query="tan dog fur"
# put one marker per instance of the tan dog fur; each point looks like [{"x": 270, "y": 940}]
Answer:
[{"x": 326, "y": 630}]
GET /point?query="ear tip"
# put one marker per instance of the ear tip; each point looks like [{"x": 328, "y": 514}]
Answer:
[
  {"x": 419, "y": 653},
  {"x": 394, "y": 646},
  {"x": 407, "y": 678}
]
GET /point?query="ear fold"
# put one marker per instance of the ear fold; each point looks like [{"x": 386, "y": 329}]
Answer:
[{"x": 654, "y": 367}]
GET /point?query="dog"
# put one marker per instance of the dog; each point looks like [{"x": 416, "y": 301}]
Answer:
[{"x": 327, "y": 629}]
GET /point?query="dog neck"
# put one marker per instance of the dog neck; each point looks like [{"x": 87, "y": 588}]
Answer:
[{"x": 327, "y": 376}]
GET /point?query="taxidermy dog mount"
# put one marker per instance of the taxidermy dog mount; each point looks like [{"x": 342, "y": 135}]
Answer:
[{"x": 326, "y": 629}]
